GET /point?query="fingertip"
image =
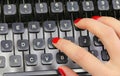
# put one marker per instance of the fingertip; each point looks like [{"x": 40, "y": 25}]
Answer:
[
  {"x": 55, "y": 40},
  {"x": 66, "y": 71},
  {"x": 61, "y": 71},
  {"x": 77, "y": 20},
  {"x": 96, "y": 17}
]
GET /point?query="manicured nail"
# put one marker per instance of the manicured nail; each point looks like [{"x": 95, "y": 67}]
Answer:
[
  {"x": 96, "y": 17},
  {"x": 77, "y": 20},
  {"x": 60, "y": 70},
  {"x": 55, "y": 40}
]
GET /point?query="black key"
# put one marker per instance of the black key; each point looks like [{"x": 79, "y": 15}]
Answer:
[
  {"x": 49, "y": 26},
  {"x": 88, "y": 5},
  {"x": 97, "y": 41},
  {"x": 50, "y": 45},
  {"x": 25, "y": 12},
  {"x": 41, "y": 8},
  {"x": 31, "y": 59},
  {"x": 23, "y": 45},
  {"x": 3, "y": 28},
  {"x": 2, "y": 61},
  {"x": 47, "y": 58},
  {"x": 70, "y": 38},
  {"x": 9, "y": 9},
  {"x": 6, "y": 45},
  {"x": 61, "y": 58},
  {"x": 41, "y": 11},
  {"x": 65, "y": 25},
  {"x": 34, "y": 27},
  {"x": 103, "y": 5},
  {"x": 25, "y": 9},
  {"x": 18, "y": 28},
  {"x": 94, "y": 52},
  {"x": 38, "y": 44},
  {"x": 84, "y": 41},
  {"x": 104, "y": 55},
  {"x": 72, "y": 6},
  {"x": 116, "y": 4},
  {"x": 10, "y": 12},
  {"x": 15, "y": 61},
  {"x": 56, "y": 7}
]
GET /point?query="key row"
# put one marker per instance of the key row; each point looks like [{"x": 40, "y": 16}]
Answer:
[
  {"x": 26, "y": 10},
  {"x": 39, "y": 44},
  {"x": 32, "y": 59},
  {"x": 46, "y": 59},
  {"x": 57, "y": 7},
  {"x": 34, "y": 27}
]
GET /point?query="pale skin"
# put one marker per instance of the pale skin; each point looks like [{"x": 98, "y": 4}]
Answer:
[{"x": 107, "y": 29}]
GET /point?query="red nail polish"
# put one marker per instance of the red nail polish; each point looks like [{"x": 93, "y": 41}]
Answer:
[
  {"x": 55, "y": 40},
  {"x": 61, "y": 71},
  {"x": 77, "y": 20},
  {"x": 96, "y": 17}
]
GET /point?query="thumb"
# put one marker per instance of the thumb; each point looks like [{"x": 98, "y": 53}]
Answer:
[{"x": 65, "y": 71}]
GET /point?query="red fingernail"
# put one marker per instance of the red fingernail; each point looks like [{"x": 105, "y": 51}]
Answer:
[
  {"x": 77, "y": 20},
  {"x": 61, "y": 72},
  {"x": 55, "y": 40},
  {"x": 96, "y": 17}
]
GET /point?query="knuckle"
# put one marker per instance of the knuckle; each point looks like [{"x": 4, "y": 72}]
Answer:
[
  {"x": 108, "y": 19},
  {"x": 108, "y": 31},
  {"x": 111, "y": 18},
  {"x": 87, "y": 22},
  {"x": 83, "y": 55}
]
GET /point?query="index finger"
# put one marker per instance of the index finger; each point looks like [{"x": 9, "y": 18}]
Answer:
[{"x": 80, "y": 56}]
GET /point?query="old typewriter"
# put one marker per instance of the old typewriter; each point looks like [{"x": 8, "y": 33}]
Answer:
[{"x": 27, "y": 27}]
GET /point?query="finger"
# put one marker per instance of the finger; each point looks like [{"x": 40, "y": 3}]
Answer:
[
  {"x": 106, "y": 34},
  {"x": 65, "y": 71},
  {"x": 80, "y": 56},
  {"x": 112, "y": 22}
]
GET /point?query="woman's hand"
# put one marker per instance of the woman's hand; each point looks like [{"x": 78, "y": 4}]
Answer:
[{"x": 107, "y": 29}]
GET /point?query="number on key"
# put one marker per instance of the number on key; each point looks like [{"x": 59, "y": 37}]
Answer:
[
  {"x": 72, "y": 6},
  {"x": 88, "y": 5},
  {"x": 116, "y": 4},
  {"x": 3, "y": 28},
  {"x": 56, "y": 7},
  {"x": 25, "y": 12},
  {"x": 10, "y": 11},
  {"x": 103, "y": 5},
  {"x": 41, "y": 8}
]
